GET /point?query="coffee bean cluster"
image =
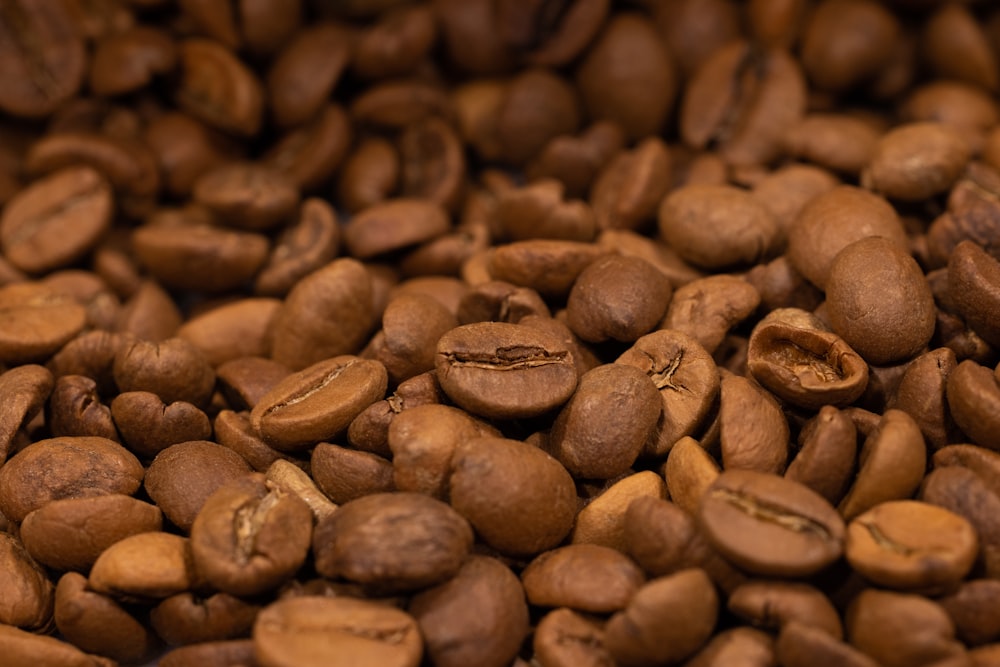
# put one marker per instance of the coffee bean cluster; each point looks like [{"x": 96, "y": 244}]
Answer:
[{"x": 499, "y": 333}]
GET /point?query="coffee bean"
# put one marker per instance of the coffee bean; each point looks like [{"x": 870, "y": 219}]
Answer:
[
  {"x": 629, "y": 188},
  {"x": 300, "y": 249},
  {"x": 218, "y": 89},
  {"x": 26, "y": 648},
  {"x": 247, "y": 539},
  {"x": 583, "y": 577},
  {"x": 775, "y": 604},
  {"x": 37, "y": 322},
  {"x": 564, "y": 637},
  {"x": 800, "y": 645},
  {"x": 666, "y": 620},
  {"x": 174, "y": 370},
  {"x": 536, "y": 369},
  {"x": 310, "y": 153},
  {"x": 311, "y": 631},
  {"x": 741, "y": 644},
  {"x": 835, "y": 64},
  {"x": 827, "y": 451},
  {"x": 909, "y": 545},
  {"x": 479, "y": 616},
  {"x": 57, "y": 220},
  {"x": 970, "y": 608},
  {"x": 602, "y": 521},
  {"x": 365, "y": 541},
  {"x": 188, "y": 619},
  {"x": 306, "y": 71},
  {"x": 28, "y": 603},
  {"x": 345, "y": 474},
  {"x": 940, "y": 152},
  {"x": 247, "y": 195},
  {"x": 70, "y": 533},
  {"x": 318, "y": 402},
  {"x": 753, "y": 432},
  {"x": 837, "y": 141},
  {"x": 537, "y": 513},
  {"x": 148, "y": 425},
  {"x": 143, "y": 566},
  {"x": 689, "y": 471},
  {"x": 707, "y": 308},
  {"x": 769, "y": 525},
  {"x": 25, "y": 389}
]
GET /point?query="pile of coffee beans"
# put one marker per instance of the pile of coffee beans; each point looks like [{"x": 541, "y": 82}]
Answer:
[{"x": 499, "y": 333}]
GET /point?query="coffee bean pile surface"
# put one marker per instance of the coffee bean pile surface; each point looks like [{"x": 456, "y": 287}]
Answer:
[{"x": 499, "y": 333}]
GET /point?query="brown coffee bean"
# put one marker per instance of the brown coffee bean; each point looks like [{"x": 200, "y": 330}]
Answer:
[
  {"x": 318, "y": 402},
  {"x": 536, "y": 514},
  {"x": 963, "y": 492},
  {"x": 707, "y": 308},
  {"x": 694, "y": 29},
  {"x": 535, "y": 367},
  {"x": 369, "y": 431},
  {"x": 627, "y": 191},
  {"x": 23, "y": 648},
  {"x": 144, "y": 566},
  {"x": 28, "y": 600},
  {"x": 897, "y": 629},
  {"x": 838, "y": 142},
  {"x": 244, "y": 380},
  {"x": 233, "y": 431},
  {"x": 310, "y": 153},
  {"x": 753, "y": 432},
  {"x": 786, "y": 191},
  {"x": 973, "y": 276},
  {"x": 236, "y": 329},
  {"x": 57, "y": 220},
  {"x": 422, "y": 442},
  {"x": 971, "y": 609},
  {"x": 911, "y": 545},
  {"x": 575, "y": 161},
  {"x": 957, "y": 47},
  {"x": 392, "y": 542},
  {"x": 667, "y": 620},
  {"x": 399, "y": 103},
  {"x": 538, "y": 211},
  {"x": 808, "y": 368},
  {"x": 916, "y": 161},
  {"x": 686, "y": 377},
  {"x": 717, "y": 226},
  {"x": 328, "y": 313},
  {"x": 300, "y": 249},
  {"x": 44, "y": 56},
  {"x": 801, "y": 645},
  {"x": 370, "y": 174},
  {"x": 689, "y": 471},
  {"x": 336, "y": 632},
  {"x": 260, "y": 26},
  {"x": 148, "y": 425},
  {"x": 583, "y": 577},
  {"x": 76, "y": 409},
  {"x": 827, "y": 452},
  {"x": 182, "y": 477},
  {"x": 548, "y": 266},
  {"x": 25, "y": 390},
  {"x": 564, "y": 638},
  {"x": 345, "y": 474},
  {"x": 966, "y": 108},
  {"x": 499, "y": 301},
  {"x": 394, "y": 225},
  {"x": 186, "y": 618},
  {"x": 412, "y": 324},
  {"x": 775, "y": 604},
  {"x": 174, "y": 370},
  {"x": 97, "y": 624},
  {"x": 743, "y": 100},
  {"x": 58, "y": 468},
  {"x": 36, "y": 322},
  {"x": 395, "y": 43},
  {"x": 150, "y": 314},
  {"x": 886, "y": 325},
  {"x": 306, "y": 71},
  {"x": 289, "y": 477},
  {"x": 835, "y": 55},
  {"x": 984, "y": 462},
  {"x": 184, "y": 148},
  {"x": 769, "y": 525},
  {"x": 219, "y": 89},
  {"x": 638, "y": 98},
  {"x": 247, "y": 539},
  {"x": 832, "y": 221},
  {"x": 741, "y": 645},
  {"x": 921, "y": 394},
  {"x": 617, "y": 298},
  {"x": 127, "y": 61},
  {"x": 602, "y": 429},
  {"x": 247, "y": 195},
  {"x": 892, "y": 463},
  {"x": 200, "y": 257},
  {"x": 70, "y": 534},
  {"x": 232, "y": 653},
  {"x": 602, "y": 520},
  {"x": 477, "y": 617},
  {"x": 536, "y": 107}
]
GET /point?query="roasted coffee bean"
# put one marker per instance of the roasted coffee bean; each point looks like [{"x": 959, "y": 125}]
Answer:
[
  {"x": 976, "y": 620},
  {"x": 67, "y": 467},
  {"x": 775, "y": 604},
  {"x": 686, "y": 377},
  {"x": 364, "y": 541},
  {"x": 97, "y": 624},
  {"x": 232, "y": 653},
  {"x": 753, "y": 432},
  {"x": 583, "y": 577},
  {"x": 305, "y": 72},
  {"x": 887, "y": 325},
  {"x": 57, "y": 220},
  {"x": 666, "y": 620},
  {"x": 23, "y": 648},
  {"x": 769, "y": 525},
  {"x": 25, "y": 389},
  {"x": 800, "y": 645},
  {"x": 707, "y": 308},
  {"x": 916, "y": 161},
  {"x": 564, "y": 637},
  {"x": 828, "y": 446},
  {"x": 602, "y": 521},
  {"x": 183, "y": 476},
  {"x": 910, "y": 545},
  {"x": 300, "y": 249},
  {"x": 37, "y": 322},
  {"x": 345, "y": 474},
  {"x": 689, "y": 471},
  {"x": 478, "y": 616},
  {"x": 311, "y": 631},
  {"x": 247, "y": 539},
  {"x": 236, "y": 329},
  {"x": 218, "y": 88},
  {"x": 318, "y": 402},
  {"x": 70, "y": 533},
  {"x": 186, "y": 618},
  {"x": 500, "y": 370},
  {"x": 148, "y": 425},
  {"x": 29, "y": 601},
  {"x": 537, "y": 513},
  {"x": 147, "y": 565},
  {"x": 741, "y": 645}
]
